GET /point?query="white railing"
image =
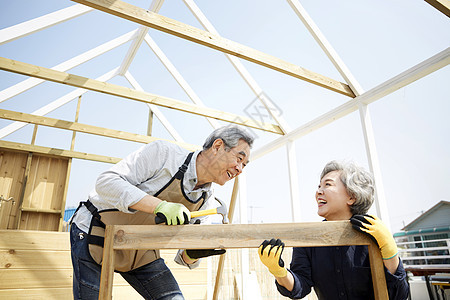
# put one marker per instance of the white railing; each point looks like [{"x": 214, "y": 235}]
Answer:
[{"x": 417, "y": 252}]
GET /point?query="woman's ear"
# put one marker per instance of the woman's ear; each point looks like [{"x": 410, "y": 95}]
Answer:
[{"x": 350, "y": 201}]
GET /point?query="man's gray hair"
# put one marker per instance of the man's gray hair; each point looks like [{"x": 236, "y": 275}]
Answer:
[
  {"x": 230, "y": 135},
  {"x": 358, "y": 182}
]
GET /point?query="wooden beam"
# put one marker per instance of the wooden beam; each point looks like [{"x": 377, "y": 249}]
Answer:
[
  {"x": 57, "y": 152},
  {"x": 156, "y": 111},
  {"x": 313, "y": 234},
  {"x": 214, "y": 41},
  {"x": 442, "y": 5},
  {"x": 124, "y": 92},
  {"x": 53, "y": 105},
  {"x": 84, "y": 128},
  {"x": 41, "y": 210},
  {"x": 245, "y": 74}
]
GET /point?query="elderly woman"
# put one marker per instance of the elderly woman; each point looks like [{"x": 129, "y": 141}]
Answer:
[{"x": 345, "y": 192}]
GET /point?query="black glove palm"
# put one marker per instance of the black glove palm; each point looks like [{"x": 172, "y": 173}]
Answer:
[{"x": 199, "y": 253}]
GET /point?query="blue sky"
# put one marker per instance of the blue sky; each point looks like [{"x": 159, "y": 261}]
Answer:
[{"x": 376, "y": 39}]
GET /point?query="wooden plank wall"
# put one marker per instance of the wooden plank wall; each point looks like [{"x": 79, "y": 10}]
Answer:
[
  {"x": 44, "y": 193},
  {"x": 37, "y": 265},
  {"x": 12, "y": 170},
  {"x": 37, "y": 189}
]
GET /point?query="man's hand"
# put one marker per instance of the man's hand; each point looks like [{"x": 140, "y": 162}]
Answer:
[
  {"x": 173, "y": 213},
  {"x": 376, "y": 229},
  {"x": 270, "y": 255}
]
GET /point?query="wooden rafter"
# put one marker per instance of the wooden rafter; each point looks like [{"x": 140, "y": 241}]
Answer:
[
  {"x": 124, "y": 92},
  {"x": 57, "y": 152},
  {"x": 214, "y": 41},
  {"x": 84, "y": 128}
]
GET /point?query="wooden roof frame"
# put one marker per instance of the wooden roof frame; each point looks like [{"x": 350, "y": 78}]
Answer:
[{"x": 212, "y": 39}]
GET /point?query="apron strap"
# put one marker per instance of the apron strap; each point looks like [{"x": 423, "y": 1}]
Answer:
[
  {"x": 92, "y": 209},
  {"x": 96, "y": 240},
  {"x": 184, "y": 167},
  {"x": 89, "y": 206}
]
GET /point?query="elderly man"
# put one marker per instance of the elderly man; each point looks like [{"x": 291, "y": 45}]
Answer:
[
  {"x": 345, "y": 192},
  {"x": 160, "y": 179}
]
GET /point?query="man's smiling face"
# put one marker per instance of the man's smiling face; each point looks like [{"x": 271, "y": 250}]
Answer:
[{"x": 229, "y": 163}]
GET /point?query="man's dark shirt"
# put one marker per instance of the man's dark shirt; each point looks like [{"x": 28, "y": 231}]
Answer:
[{"x": 339, "y": 273}]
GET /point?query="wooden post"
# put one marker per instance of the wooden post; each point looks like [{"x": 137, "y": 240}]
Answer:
[
  {"x": 377, "y": 270},
  {"x": 33, "y": 138},
  {"x": 150, "y": 122},
  {"x": 107, "y": 276},
  {"x": 69, "y": 167},
  {"x": 222, "y": 257}
]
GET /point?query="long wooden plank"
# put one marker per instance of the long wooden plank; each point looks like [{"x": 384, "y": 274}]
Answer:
[
  {"x": 337, "y": 233},
  {"x": 57, "y": 152},
  {"x": 85, "y": 128},
  {"x": 34, "y": 259},
  {"x": 124, "y": 92},
  {"x": 310, "y": 234},
  {"x": 214, "y": 41},
  {"x": 25, "y": 239}
]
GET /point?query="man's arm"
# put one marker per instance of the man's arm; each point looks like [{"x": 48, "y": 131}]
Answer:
[{"x": 146, "y": 204}]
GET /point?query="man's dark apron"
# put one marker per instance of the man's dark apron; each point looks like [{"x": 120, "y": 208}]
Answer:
[{"x": 127, "y": 260}]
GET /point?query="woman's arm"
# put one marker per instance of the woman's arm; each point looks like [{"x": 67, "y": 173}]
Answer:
[
  {"x": 286, "y": 281},
  {"x": 391, "y": 264}
]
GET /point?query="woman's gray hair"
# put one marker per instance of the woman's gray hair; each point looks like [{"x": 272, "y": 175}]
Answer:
[
  {"x": 358, "y": 182},
  {"x": 230, "y": 135}
]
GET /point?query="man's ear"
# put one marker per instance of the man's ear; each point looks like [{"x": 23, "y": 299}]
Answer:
[{"x": 217, "y": 144}]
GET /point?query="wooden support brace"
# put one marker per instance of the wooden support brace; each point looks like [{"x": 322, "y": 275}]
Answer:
[
  {"x": 127, "y": 93},
  {"x": 313, "y": 234},
  {"x": 214, "y": 41},
  {"x": 85, "y": 128},
  {"x": 107, "y": 275},
  {"x": 57, "y": 152}
]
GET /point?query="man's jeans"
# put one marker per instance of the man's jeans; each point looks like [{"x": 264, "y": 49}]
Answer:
[{"x": 153, "y": 281}]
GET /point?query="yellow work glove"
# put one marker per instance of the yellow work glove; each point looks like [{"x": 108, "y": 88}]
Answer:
[
  {"x": 376, "y": 229},
  {"x": 172, "y": 213},
  {"x": 270, "y": 255}
]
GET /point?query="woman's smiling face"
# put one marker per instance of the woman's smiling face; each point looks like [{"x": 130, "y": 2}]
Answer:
[{"x": 333, "y": 200}]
